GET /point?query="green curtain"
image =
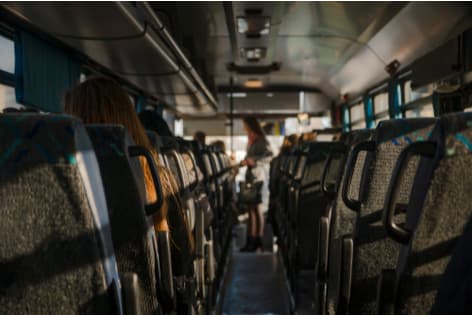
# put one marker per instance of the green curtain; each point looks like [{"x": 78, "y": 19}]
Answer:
[{"x": 43, "y": 72}]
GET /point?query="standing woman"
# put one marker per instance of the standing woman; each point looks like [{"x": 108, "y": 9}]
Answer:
[{"x": 257, "y": 161}]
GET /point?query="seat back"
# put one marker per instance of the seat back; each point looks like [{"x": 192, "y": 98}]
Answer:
[
  {"x": 56, "y": 251},
  {"x": 339, "y": 220},
  {"x": 373, "y": 250},
  {"x": 132, "y": 232},
  {"x": 437, "y": 213},
  {"x": 311, "y": 204}
]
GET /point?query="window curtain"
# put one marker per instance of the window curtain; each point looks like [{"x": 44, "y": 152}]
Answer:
[{"x": 43, "y": 73}]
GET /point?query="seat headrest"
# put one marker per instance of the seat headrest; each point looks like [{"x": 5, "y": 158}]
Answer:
[
  {"x": 156, "y": 141},
  {"x": 31, "y": 139},
  {"x": 109, "y": 140},
  {"x": 395, "y": 128}
]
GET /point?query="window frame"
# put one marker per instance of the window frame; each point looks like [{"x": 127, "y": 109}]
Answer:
[{"x": 382, "y": 88}]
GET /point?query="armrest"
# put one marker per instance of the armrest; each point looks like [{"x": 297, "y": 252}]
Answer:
[
  {"x": 166, "y": 287},
  {"x": 346, "y": 274},
  {"x": 131, "y": 293},
  {"x": 323, "y": 247}
]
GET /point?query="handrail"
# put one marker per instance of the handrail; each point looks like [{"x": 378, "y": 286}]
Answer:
[{"x": 159, "y": 27}]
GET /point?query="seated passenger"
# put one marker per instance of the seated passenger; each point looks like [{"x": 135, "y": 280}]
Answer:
[
  {"x": 102, "y": 101},
  {"x": 308, "y": 137},
  {"x": 200, "y": 136},
  {"x": 220, "y": 144},
  {"x": 154, "y": 122}
]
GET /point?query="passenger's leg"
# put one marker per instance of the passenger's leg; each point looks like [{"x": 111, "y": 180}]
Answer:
[
  {"x": 260, "y": 222},
  {"x": 251, "y": 222}
]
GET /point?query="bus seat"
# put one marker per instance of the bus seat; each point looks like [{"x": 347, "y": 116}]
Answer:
[
  {"x": 437, "y": 212},
  {"x": 350, "y": 139},
  {"x": 56, "y": 253},
  {"x": 341, "y": 220},
  {"x": 133, "y": 234},
  {"x": 373, "y": 250},
  {"x": 155, "y": 140},
  {"x": 307, "y": 204}
]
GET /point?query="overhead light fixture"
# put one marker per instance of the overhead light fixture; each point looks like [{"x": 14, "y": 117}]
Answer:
[
  {"x": 253, "y": 25},
  {"x": 237, "y": 95},
  {"x": 253, "y": 83},
  {"x": 253, "y": 54}
]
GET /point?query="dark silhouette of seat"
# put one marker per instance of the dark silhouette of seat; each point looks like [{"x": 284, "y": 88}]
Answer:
[
  {"x": 56, "y": 253},
  {"x": 132, "y": 228},
  {"x": 437, "y": 212}
]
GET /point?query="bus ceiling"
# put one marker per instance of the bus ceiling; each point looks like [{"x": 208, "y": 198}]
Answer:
[{"x": 282, "y": 57}]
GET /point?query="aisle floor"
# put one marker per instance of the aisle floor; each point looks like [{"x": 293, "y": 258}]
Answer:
[{"x": 255, "y": 285}]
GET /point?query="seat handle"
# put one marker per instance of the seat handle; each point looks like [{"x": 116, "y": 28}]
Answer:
[
  {"x": 425, "y": 149},
  {"x": 323, "y": 250},
  {"x": 367, "y": 146},
  {"x": 131, "y": 293},
  {"x": 341, "y": 149},
  {"x": 180, "y": 168},
  {"x": 136, "y": 151},
  {"x": 167, "y": 289}
]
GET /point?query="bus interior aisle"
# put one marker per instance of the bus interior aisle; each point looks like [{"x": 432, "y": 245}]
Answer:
[
  {"x": 235, "y": 157},
  {"x": 255, "y": 284}
]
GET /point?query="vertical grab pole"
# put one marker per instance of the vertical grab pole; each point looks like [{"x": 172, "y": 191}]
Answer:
[{"x": 231, "y": 108}]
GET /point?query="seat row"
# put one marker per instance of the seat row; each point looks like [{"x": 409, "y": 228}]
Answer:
[
  {"x": 77, "y": 233},
  {"x": 396, "y": 210}
]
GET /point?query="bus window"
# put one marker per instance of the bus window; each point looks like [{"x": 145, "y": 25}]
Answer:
[
  {"x": 413, "y": 95},
  {"x": 8, "y": 98},
  {"x": 381, "y": 104},
  {"x": 7, "y": 55},
  {"x": 422, "y": 111},
  {"x": 357, "y": 116}
]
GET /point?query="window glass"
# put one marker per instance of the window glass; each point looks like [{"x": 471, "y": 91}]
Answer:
[
  {"x": 413, "y": 95},
  {"x": 423, "y": 111},
  {"x": 359, "y": 125},
  {"x": 8, "y": 98},
  {"x": 357, "y": 112},
  {"x": 381, "y": 103},
  {"x": 7, "y": 55}
]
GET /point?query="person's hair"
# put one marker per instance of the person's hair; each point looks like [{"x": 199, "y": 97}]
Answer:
[
  {"x": 253, "y": 125},
  {"x": 220, "y": 144},
  {"x": 199, "y": 136},
  {"x": 153, "y": 121},
  {"x": 288, "y": 143},
  {"x": 101, "y": 100},
  {"x": 308, "y": 137}
]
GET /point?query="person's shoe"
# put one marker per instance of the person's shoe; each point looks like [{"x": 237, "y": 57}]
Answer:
[
  {"x": 258, "y": 244},
  {"x": 249, "y": 244}
]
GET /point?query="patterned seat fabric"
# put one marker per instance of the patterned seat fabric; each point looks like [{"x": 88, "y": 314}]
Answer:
[
  {"x": 438, "y": 211},
  {"x": 341, "y": 221},
  {"x": 133, "y": 234},
  {"x": 56, "y": 253},
  {"x": 373, "y": 250}
]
